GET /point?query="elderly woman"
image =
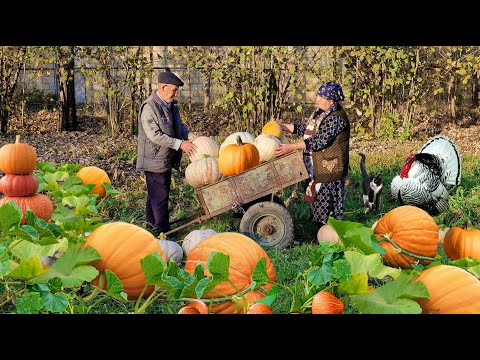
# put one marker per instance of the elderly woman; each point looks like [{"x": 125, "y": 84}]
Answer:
[{"x": 325, "y": 145}]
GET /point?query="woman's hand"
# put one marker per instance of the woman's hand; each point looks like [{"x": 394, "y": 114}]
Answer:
[
  {"x": 283, "y": 149},
  {"x": 288, "y": 128}
]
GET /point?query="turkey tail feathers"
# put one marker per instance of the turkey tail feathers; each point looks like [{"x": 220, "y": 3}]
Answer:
[{"x": 447, "y": 151}]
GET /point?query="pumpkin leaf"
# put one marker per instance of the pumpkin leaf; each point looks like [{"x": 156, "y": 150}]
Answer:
[
  {"x": 341, "y": 269},
  {"x": 259, "y": 273},
  {"x": 71, "y": 267},
  {"x": 353, "y": 233},
  {"x": 356, "y": 284},
  {"x": 153, "y": 267},
  {"x": 218, "y": 264},
  {"x": 371, "y": 264},
  {"x": 31, "y": 303},
  {"x": 192, "y": 281},
  {"x": 10, "y": 216},
  {"x": 109, "y": 189},
  {"x": 271, "y": 296},
  {"x": 114, "y": 286},
  {"x": 475, "y": 270},
  {"x": 55, "y": 176},
  {"x": 320, "y": 275},
  {"x": 4, "y": 260},
  {"x": 46, "y": 166},
  {"x": 27, "y": 269},
  {"x": 394, "y": 297},
  {"x": 55, "y": 303}
]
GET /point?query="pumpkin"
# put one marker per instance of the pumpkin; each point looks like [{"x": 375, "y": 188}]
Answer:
[
  {"x": 188, "y": 310},
  {"x": 409, "y": 235},
  {"x": 203, "y": 172},
  {"x": 18, "y": 185},
  {"x": 259, "y": 308},
  {"x": 237, "y": 158},
  {"x": 325, "y": 302},
  {"x": 18, "y": 158},
  {"x": 171, "y": 249},
  {"x": 452, "y": 290},
  {"x": 266, "y": 146},
  {"x": 94, "y": 175},
  {"x": 244, "y": 254},
  {"x": 239, "y": 304},
  {"x": 205, "y": 146},
  {"x": 199, "y": 305},
  {"x": 194, "y": 237},
  {"x": 272, "y": 128},
  {"x": 121, "y": 246},
  {"x": 232, "y": 139},
  {"x": 40, "y": 204},
  {"x": 327, "y": 233},
  {"x": 461, "y": 242}
]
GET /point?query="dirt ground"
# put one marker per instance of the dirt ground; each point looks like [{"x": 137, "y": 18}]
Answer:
[{"x": 92, "y": 144}]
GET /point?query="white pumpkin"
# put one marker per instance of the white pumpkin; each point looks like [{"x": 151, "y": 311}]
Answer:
[
  {"x": 171, "y": 249},
  {"x": 232, "y": 139},
  {"x": 266, "y": 145},
  {"x": 327, "y": 233},
  {"x": 194, "y": 237},
  {"x": 203, "y": 172},
  {"x": 206, "y": 146}
]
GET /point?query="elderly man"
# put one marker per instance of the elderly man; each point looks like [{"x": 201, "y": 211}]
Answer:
[{"x": 162, "y": 138}]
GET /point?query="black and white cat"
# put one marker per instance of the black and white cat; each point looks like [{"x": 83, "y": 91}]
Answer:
[{"x": 372, "y": 187}]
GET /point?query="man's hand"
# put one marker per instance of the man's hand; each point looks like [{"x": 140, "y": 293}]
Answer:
[{"x": 188, "y": 147}]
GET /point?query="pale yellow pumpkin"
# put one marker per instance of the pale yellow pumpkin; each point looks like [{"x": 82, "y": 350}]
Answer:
[
  {"x": 194, "y": 237},
  {"x": 266, "y": 146},
  {"x": 171, "y": 249},
  {"x": 327, "y": 233},
  {"x": 246, "y": 137},
  {"x": 206, "y": 146},
  {"x": 203, "y": 172}
]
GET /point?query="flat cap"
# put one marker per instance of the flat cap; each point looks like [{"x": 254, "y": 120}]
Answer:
[{"x": 168, "y": 77}]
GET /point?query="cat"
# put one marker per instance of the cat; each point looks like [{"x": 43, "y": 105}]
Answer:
[{"x": 372, "y": 187}]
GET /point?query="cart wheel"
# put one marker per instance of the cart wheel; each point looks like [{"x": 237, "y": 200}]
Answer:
[{"x": 269, "y": 224}]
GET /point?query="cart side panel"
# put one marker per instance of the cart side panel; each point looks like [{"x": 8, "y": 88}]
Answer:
[
  {"x": 219, "y": 197},
  {"x": 256, "y": 182},
  {"x": 290, "y": 169}
]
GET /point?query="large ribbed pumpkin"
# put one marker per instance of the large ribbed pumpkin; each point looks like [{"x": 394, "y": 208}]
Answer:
[
  {"x": 272, "y": 128},
  {"x": 409, "y": 235},
  {"x": 18, "y": 158},
  {"x": 121, "y": 246},
  {"x": 452, "y": 290},
  {"x": 94, "y": 175},
  {"x": 460, "y": 242},
  {"x": 237, "y": 158},
  {"x": 18, "y": 185},
  {"x": 205, "y": 146},
  {"x": 244, "y": 254},
  {"x": 232, "y": 139},
  {"x": 203, "y": 172},
  {"x": 40, "y": 204}
]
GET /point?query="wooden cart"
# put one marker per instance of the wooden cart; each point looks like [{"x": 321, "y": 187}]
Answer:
[{"x": 265, "y": 218}]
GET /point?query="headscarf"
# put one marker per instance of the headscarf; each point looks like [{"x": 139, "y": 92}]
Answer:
[{"x": 331, "y": 91}]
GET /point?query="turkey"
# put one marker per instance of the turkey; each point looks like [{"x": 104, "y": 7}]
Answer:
[{"x": 427, "y": 177}]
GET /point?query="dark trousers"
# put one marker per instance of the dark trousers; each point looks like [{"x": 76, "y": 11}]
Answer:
[{"x": 158, "y": 188}]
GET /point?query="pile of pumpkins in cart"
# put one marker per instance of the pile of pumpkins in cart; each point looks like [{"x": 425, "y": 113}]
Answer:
[{"x": 239, "y": 152}]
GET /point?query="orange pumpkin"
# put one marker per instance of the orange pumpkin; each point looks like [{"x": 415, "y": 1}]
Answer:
[
  {"x": 461, "y": 242},
  {"x": 409, "y": 235},
  {"x": 452, "y": 290},
  {"x": 121, "y": 246},
  {"x": 260, "y": 308},
  {"x": 244, "y": 254},
  {"x": 237, "y": 158},
  {"x": 18, "y": 158},
  {"x": 40, "y": 204},
  {"x": 94, "y": 175},
  {"x": 188, "y": 310},
  {"x": 325, "y": 302},
  {"x": 18, "y": 185},
  {"x": 272, "y": 128},
  {"x": 199, "y": 305}
]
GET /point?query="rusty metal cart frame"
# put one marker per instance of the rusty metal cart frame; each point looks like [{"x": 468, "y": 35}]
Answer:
[{"x": 269, "y": 223}]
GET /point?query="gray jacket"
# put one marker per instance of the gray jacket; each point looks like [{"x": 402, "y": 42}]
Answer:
[{"x": 159, "y": 133}]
